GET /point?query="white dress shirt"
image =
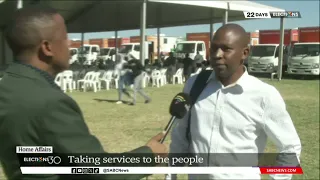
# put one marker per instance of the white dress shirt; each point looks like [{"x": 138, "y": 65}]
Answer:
[
  {"x": 236, "y": 119},
  {"x": 119, "y": 70}
]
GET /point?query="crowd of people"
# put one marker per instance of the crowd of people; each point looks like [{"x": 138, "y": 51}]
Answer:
[
  {"x": 129, "y": 70},
  {"x": 172, "y": 64}
]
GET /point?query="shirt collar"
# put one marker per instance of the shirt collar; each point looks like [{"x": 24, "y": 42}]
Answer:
[
  {"x": 49, "y": 78},
  {"x": 240, "y": 82}
]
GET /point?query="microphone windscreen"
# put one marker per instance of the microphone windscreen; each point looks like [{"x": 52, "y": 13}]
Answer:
[{"x": 180, "y": 105}]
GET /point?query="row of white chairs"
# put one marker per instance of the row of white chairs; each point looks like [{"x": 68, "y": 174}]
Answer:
[{"x": 95, "y": 80}]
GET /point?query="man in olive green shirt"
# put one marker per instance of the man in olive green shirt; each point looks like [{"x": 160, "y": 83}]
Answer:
[{"x": 33, "y": 109}]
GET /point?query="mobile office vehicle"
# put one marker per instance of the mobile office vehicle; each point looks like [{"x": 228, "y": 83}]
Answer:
[
  {"x": 133, "y": 49},
  {"x": 107, "y": 53},
  {"x": 304, "y": 56},
  {"x": 195, "y": 42},
  {"x": 88, "y": 53},
  {"x": 264, "y": 57}
]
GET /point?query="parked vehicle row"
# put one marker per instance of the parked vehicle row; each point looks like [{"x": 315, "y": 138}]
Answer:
[{"x": 300, "y": 52}]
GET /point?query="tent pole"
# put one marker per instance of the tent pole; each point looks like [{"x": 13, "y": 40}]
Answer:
[
  {"x": 82, "y": 39},
  {"x": 281, "y": 48},
  {"x": 116, "y": 41},
  {"x": 226, "y": 14},
  {"x": 158, "y": 44},
  {"x": 142, "y": 31},
  {"x": 159, "y": 17}
]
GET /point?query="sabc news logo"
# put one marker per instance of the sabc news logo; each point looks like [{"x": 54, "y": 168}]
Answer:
[{"x": 48, "y": 159}]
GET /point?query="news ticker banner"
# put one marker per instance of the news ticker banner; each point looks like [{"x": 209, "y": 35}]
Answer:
[
  {"x": 45, "y": 160},
  {"x": 272, "y": 14},
  {"x": 161, "y": 170}
]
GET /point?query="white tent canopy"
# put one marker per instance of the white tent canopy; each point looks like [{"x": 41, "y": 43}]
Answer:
[
  {"x": 113, "y": 15},
  {"x": 110, "y": 15},
  {"x": 222, "y": 4}
]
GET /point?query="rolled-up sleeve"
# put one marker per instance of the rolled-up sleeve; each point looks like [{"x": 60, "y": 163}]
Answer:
[{"x": 280, "y": 129}]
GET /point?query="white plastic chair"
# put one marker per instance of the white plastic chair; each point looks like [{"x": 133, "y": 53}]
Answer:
[
  {"x": 163, "y": 75},
  {"x": 85, "y": 79},
  {"x": 178, "y": 76},
  {"x": 67, "y": 81},
  {"x": 107, "y": 78},
  {"x": 58, "y": 79},
  {"x": 93, "y": 82},
  {"x": 156, "y": 78},
  {"x": 145, "y": 80}
]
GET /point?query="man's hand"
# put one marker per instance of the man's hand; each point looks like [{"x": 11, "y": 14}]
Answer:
[{"x": 156, "y": 147}]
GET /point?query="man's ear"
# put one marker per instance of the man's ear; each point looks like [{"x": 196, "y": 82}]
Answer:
[
  {"x": 46, "y": 48},
  {"x": 245, "y": 54}
]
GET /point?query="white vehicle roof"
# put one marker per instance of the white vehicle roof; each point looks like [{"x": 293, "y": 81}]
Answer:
[
  {"x": 134, "y": 43},
  {"x": 90, "y": 45},
  {"x": 315, "y": 43},
  {"x": 73, "y": 48},
  {"x": 129, "y": 44},
  {"x": 184, "y": 42},
  {"x": 108, "y": 48},
  {"x": 266, "y": 45}
]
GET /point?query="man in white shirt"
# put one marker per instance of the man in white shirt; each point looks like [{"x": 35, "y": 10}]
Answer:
[
  {"x": 121, "y": 73},
  {"x": 235, "y": 113},
  {"x": 198, "y": 57}
]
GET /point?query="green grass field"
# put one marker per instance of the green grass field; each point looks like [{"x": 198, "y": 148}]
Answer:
[{"x": 122, "y": 128}]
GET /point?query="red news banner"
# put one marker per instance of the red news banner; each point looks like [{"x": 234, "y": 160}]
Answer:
[{"x": 281, "y": 170}]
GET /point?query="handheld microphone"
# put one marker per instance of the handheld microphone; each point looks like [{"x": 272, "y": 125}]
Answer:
[{"x": 178, "y": 108}]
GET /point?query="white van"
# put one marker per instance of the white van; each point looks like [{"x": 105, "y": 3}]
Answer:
[
  {"x": 264, "y": 58},
  {"x": 88, "y": 54},
  {"x": 190, "y": 47},
  {"x": 133, "y": 49},
  {"x": 304, "y": 59},
  {"x": 107, "y": 53}
]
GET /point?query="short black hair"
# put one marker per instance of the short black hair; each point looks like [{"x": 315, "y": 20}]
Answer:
[
  {"x": 239, "y": 30},
  {"x": 27, "y": 27}
]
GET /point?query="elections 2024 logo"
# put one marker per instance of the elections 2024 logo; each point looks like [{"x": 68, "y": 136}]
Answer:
[{"x": 48, "y": 159}]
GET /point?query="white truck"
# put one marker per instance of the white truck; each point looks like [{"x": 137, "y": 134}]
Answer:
[
  {"x": 190, "y": 47},
  {"x": 134, "y": 50},
  {"x": 263, "y": 58},
  {"x": 107, "y": 53},
  {"x": 73, "y": 55},
  {"x": 304, "y": 56},
  {"x": 304, "y": 59},
  {"x": 88, "y": 54}
]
